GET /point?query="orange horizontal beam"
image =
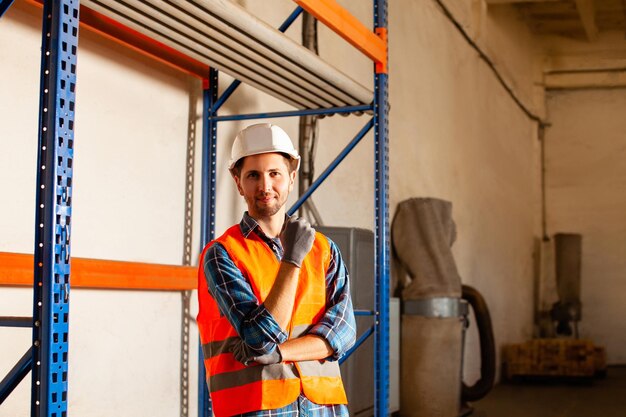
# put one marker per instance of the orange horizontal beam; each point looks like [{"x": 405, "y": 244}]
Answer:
[
  {"x": 342, "y": 22},
  {"x": 16, "y": 269},
  {"x": 130, "y": 38}
]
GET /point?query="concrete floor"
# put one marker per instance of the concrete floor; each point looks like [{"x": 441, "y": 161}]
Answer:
[{"x": 601, "y": 398}]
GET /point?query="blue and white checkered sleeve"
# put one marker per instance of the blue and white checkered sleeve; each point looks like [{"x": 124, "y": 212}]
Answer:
[
  {"x": 236, "y": 300},
  {"x": 337, "y": 325}
]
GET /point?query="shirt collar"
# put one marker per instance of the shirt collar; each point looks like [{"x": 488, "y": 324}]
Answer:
[{"x": 248, "y": 225}]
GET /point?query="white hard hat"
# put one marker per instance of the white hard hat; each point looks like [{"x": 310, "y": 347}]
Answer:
[{"x": 262, "y": 138}]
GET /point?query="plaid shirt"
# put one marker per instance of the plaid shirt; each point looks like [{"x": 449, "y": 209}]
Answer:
[{"x": 260, "y": 330}]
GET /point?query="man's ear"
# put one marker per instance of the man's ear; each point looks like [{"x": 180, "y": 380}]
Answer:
[
  {"x": 292, "y": 179},
  {"x": 237, "y": 182}
]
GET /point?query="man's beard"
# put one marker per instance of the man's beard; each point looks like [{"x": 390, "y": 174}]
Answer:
[{"x": 268, "y": 210}]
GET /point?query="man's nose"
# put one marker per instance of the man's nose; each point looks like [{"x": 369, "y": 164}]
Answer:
[{"x": 265, "y": 183}]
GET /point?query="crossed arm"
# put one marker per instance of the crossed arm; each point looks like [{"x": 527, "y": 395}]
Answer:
[
  {"x": 262, "y": 326},
  {"x": 279, "y": 303}
]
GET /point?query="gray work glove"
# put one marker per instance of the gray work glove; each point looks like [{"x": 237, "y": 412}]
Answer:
[
  {"x": 297, "y": 239},
  {"x": 244, "y": 354}
]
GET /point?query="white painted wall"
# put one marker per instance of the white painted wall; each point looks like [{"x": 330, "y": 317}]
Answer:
[
  {"x": 454, "y": 134},
  {"x": 585, "y": 177}
]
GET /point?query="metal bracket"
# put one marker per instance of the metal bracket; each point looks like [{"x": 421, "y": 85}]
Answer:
[{"x": 16, "y": 375}]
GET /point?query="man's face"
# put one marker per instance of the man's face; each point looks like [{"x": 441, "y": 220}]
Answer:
[{"x": 265, "y": 183}]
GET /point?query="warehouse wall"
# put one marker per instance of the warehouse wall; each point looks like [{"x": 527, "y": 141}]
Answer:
[
  {"x": 455, "y": 134},
  {"x": 585, "y": 179}
]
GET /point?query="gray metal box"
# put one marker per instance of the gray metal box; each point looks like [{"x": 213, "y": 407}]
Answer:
[{"x": 357, "y": 250}]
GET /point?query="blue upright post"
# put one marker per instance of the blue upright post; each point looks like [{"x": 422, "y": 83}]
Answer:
[
  {"x": 381, "y": 337},
  {"x": 53, "y": 208},
  {"x": 209, "y": 164},
  {"x": 209, "y": 159}
]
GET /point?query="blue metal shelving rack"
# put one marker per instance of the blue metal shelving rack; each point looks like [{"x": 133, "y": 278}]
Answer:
[{"x": 48, "y": 356}]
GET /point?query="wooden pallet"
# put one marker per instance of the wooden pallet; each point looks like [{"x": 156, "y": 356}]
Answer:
[{"x": 577, "y": 358}]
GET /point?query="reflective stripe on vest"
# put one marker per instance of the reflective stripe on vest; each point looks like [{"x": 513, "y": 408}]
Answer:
[{"x": 237, "y": 389}]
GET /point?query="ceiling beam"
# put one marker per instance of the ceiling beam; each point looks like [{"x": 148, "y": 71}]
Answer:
[{"x": 586, "y": 12}]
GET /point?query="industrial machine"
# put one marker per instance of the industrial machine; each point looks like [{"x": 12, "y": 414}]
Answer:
[{"x": 435, "y": 314}]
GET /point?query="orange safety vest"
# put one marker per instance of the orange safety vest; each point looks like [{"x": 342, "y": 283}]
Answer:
[{"x": 237, "y": 389}]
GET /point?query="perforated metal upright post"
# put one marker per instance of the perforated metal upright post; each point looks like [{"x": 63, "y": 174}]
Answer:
[
  {"x": 53, "y": 210},
  {"x": 209, "y": 161},
  {"x": 381, "y": 335}
]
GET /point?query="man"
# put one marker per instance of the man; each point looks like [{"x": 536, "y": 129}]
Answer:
[{"x": 275, "y": 308}]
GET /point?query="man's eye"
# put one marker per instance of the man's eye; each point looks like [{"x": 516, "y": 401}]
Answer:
[{"x": 253, "y": 175}]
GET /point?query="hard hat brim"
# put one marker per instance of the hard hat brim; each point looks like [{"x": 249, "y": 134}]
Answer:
[{"x": 292, "y": 155}]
